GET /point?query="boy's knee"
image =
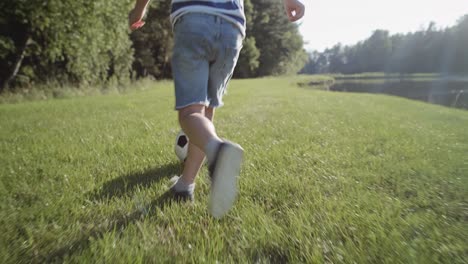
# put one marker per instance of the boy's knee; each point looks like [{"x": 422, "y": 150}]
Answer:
[{"x": 191, "y": 109}]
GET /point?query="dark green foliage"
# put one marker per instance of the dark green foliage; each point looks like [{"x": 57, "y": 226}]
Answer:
[
  {"x": 83, "y": 42},
  {"x": 87, "y": 42},
  {"x": 429, "y": 50},
  {"x": 278, "y": 40},
  {"x": 248, "y": 62},
  {"x": 153, "y": 43}
]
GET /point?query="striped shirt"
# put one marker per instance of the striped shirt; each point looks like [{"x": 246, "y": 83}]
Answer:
[{"x": 231, "y": 10}]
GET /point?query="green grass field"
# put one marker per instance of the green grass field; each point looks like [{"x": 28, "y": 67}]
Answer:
[{"x": 328, "y": 177}]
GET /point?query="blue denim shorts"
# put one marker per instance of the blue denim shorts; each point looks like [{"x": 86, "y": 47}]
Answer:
[{"x": 206, "y": 49}]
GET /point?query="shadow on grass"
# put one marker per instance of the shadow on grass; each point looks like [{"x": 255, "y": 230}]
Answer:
[
  {"x": 116, "y": 187},
  {"x": 117, "y": 225},
  {"x": 128, "y": 183}
]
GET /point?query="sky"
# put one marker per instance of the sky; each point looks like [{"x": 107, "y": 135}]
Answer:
[{"x": 327, "y": 22}]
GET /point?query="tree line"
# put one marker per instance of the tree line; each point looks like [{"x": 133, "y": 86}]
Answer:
[
  {"x": 82, "y": 42},
  {"x": 429, "y": 50}
]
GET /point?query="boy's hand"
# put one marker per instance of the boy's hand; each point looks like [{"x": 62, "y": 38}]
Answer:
[
  {"x": 134, "y": 19},
  {"x": 294, "y": 9}
]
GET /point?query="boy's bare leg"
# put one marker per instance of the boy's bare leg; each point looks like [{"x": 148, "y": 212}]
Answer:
[
  {"x": 195, "y": 155},
  {"x": 224, "y": 159},
  {"x": 199, "y": 129}
]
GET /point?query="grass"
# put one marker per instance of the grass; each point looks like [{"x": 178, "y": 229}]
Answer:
[
  {"x": 55, "y": 90},
  {"x": 327, "y": 177}
]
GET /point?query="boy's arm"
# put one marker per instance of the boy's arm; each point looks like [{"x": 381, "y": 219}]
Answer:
[
  {"x": 294, "y": 9},
  {"x": 136, "y": 15}
]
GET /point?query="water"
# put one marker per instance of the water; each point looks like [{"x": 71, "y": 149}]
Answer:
[{"x": 452, "y": 93}]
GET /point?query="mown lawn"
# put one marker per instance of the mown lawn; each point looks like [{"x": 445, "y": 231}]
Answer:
[{"x": 328, "y": 177}]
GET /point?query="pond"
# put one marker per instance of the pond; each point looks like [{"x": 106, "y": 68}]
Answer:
[{"x": 449, "y": 92}]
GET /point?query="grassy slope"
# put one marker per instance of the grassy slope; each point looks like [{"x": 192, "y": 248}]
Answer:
[{"x": 327, "y": 177}]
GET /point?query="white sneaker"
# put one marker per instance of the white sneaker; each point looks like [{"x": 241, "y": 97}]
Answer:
[
  {"x": 182, "y": 195},
  {"x": 224, "y": 171}
]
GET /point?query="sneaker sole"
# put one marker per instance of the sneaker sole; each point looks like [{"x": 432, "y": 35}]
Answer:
[{"x": 224, "y": 179}]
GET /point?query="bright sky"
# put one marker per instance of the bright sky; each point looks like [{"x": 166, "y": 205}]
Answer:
[{"x": 327, "y": 22}]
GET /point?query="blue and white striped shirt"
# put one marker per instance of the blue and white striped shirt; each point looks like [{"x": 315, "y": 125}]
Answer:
[{"x": 231, "y": 10}]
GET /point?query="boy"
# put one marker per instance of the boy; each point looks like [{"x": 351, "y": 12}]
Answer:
[{"x": 208, "y": 37}]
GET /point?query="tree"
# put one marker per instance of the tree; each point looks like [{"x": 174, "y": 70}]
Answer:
[
  {"x": 461, "y": 52},
  {"x": 153, "y": 43},
  {"x": 427, "y": 50},
  {"x": 74, "y": 41},
  {"x": 377, "y": 50},
  {"x": 248, "y": 62},
  {"x": 278, "y": 40},
  {"x": 336, "y": 59}
]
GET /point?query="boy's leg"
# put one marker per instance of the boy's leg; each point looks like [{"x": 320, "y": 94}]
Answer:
[
  {"x": 184, "y": 185},
  {"x": 199, "y": 129},
  {"x": 224, "y": 158},
  {"x": 195, "y": 156},
  {"x": 198, "y": 84}
]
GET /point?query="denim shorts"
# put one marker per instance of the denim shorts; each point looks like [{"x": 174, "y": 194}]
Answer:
[{"x": 206, "y": 49}]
